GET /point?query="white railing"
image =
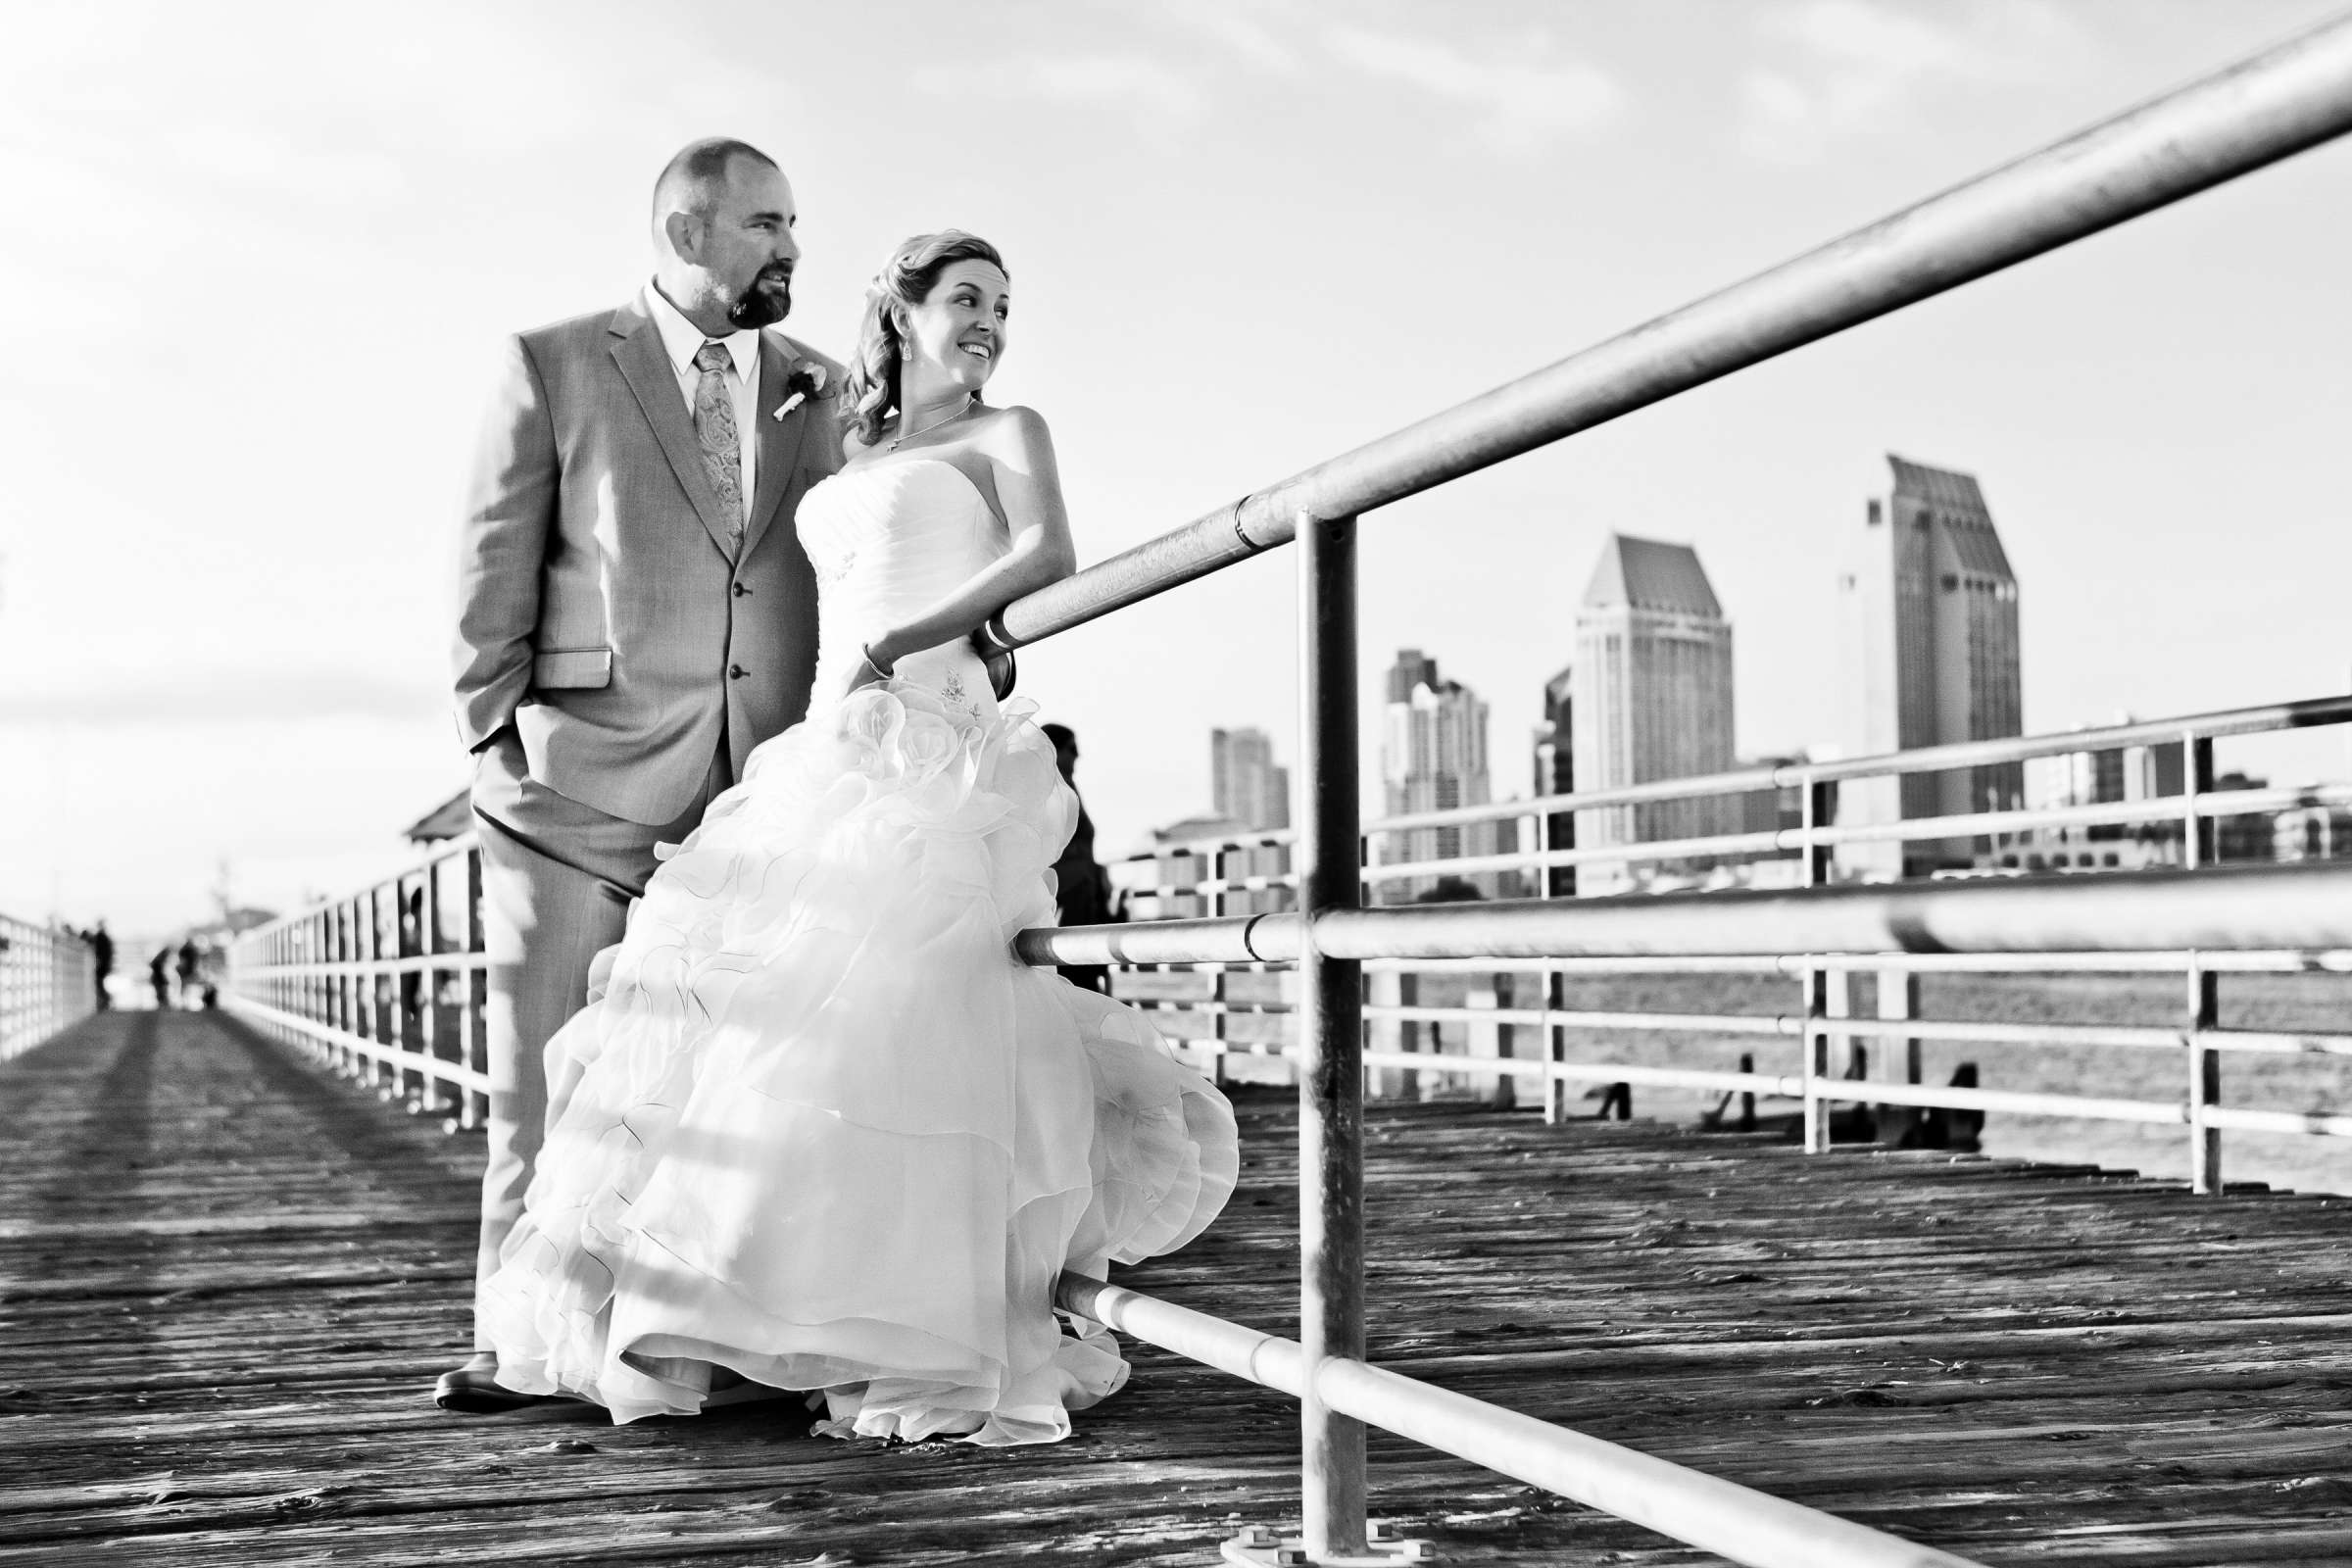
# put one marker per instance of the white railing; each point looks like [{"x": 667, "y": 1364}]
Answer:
[
  {"x": 48, "y": 982},
  {"x": 387, "y": 986},
  {"x": 1518, "y": 1029}
]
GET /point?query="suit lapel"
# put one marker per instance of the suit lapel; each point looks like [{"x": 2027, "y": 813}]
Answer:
[
  {"x": 780, "y": 440},
  {"x": 647, "y": 368}
]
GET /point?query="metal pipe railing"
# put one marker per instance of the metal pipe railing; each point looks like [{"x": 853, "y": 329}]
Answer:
[
  {"x": 2272, "y": 106},
  {"x": 2267, "y": 907},
  {"x": 1689, "y": 1505},
  {"x": 1331, "y": 1044},
  {"x": 1784, "y": 1025},
  {"x": 2164, "y": 808},
  {"x": 48, "y": 982},
  {"x": 2223, "y": 723},
  {"x": 2240, "y": 120}
]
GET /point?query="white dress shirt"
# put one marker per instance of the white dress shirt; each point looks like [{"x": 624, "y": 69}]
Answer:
[{"x": 683, "y": 340}]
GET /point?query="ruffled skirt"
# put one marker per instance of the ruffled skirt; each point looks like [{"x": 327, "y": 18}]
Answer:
[{"x": 822, "y": 1129}]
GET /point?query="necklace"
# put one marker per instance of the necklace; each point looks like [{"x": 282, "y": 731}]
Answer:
[{"x": 962, "y": 409}]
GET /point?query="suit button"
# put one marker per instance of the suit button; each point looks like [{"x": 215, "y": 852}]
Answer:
[
  {"x": 736, "y": 672},
  {"x": 741, "y": 590}
]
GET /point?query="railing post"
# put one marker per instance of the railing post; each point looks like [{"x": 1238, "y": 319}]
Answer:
[
  {"x": 1898, "y": 998},
  {"x": 2204, "y": 1079},
  {"x": 1331, "y": 998},
  {"x": 2200, "y": 842},
  {"x": 1825, "y": 989},
  {"x": 1387, "y": 988},
  {"x": 1490, "y": 1041},
  {"x": 1554, "y": 1040},
  {"x": 1826, "y": 998},
  {"x": 1820, "y": 810}
]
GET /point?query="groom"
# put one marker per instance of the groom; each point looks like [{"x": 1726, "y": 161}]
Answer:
[{"x": 635, "y": 613}]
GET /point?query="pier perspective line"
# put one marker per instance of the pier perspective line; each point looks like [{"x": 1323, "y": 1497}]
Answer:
[{"x": 390, "y": 983}]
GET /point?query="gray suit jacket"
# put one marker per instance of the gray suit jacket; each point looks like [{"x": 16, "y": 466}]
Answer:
[{"x": 599, "y": 611}]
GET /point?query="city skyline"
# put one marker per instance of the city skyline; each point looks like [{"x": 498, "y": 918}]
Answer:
[{"x": 252, "y": 600}]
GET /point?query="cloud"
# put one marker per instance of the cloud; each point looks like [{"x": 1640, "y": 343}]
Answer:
[
  {"x": 219, "y": 698},
  {"x": 1525, "y": 98},
  {"x": 1243, "y": 35},
  {"x": 1521, "y": 96},
  {"x": 1849, "y": 67},
  {"x": 1159, "y": 98}
]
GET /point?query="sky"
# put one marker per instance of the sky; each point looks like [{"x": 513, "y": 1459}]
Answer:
[{"x": 258, "y": 259}]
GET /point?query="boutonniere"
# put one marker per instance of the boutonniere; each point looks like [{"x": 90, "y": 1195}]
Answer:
[{"x": 806, "y": 381}]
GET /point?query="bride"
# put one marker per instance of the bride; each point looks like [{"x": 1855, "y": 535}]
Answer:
[{"x": 823, "y": 1131}]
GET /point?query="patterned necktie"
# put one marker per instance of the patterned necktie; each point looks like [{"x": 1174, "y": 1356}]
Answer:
[{"x": 714, "y": 428}]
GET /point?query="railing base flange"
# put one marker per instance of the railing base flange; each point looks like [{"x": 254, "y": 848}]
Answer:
[{"x": 1261, "y": 1546}]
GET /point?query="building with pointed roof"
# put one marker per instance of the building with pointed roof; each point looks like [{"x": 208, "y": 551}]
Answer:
[
  {"x": 1433, "y": 758},
  {"x": 1928, "y": 623},
  {"x": 1651, "y": 699}
]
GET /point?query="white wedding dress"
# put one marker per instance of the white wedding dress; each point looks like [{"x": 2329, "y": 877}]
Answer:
[{"x": 824, "y": 1129}]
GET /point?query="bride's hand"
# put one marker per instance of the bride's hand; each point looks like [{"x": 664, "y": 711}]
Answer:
[{"x": 871, "y": 671}]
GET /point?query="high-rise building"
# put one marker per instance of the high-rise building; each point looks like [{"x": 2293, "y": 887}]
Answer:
[
  {"x": 1555, "y": 774},
  {"x": 2098, "y": 778},
  {"x": 1928, "y": 613},
  {"x": 1243, "y": 782},
  {"x": 1651, "y": 697},
  {"x": 1433, "y": 758}
]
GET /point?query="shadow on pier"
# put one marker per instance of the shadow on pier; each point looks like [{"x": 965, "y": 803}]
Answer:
[{"x": 227, "y": 1279}]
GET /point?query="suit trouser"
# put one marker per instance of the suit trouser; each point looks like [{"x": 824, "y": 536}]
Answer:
[{"x": 557, "y": 878}]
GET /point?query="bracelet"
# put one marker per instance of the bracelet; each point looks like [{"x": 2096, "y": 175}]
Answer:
[{"x": 886, "y": 671}]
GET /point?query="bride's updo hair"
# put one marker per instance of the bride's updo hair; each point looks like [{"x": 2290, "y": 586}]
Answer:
[{"x": 905, "y": 280}]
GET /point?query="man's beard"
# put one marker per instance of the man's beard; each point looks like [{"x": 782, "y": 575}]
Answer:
[{"x": 762, "y": 307}]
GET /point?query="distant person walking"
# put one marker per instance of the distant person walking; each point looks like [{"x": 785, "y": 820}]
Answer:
[
  {"x": 102, "y": 962},
  {"x": 159, "y": 977},
  {"x": 1081, "y": 887},
  {"x": 191, "y": 967}
]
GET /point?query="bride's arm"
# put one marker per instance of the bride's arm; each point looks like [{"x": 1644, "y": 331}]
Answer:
[{"x": 1020, "y": 453}]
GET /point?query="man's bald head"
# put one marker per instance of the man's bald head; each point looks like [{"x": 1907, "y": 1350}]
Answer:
[
  {"x": 694, "y": 181},
  {"x": 722, "y": 233}
]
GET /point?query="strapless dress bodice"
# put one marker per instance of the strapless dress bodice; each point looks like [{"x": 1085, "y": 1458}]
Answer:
[{"x": 888, "y": 541}]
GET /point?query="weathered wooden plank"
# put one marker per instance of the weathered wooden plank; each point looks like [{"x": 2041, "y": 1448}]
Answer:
[{"x": 1992, "y": 1356}]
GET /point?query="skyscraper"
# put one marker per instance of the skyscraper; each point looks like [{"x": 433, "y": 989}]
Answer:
[
  {"x": 1652, "y": 696},
  {"x": 1244, "y": 781},
  {"x": 1928, "y": 623},
  {"x": 1433, "y": 758}
]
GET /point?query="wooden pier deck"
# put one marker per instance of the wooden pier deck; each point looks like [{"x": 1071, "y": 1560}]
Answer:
[{"x": 227, "y": 1280}]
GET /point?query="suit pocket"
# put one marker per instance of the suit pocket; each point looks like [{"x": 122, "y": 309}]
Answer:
[{"x": 572, "y": 667}]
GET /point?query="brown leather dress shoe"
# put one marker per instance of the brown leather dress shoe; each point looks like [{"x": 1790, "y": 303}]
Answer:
[{"x": 473, "y": 1388}]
